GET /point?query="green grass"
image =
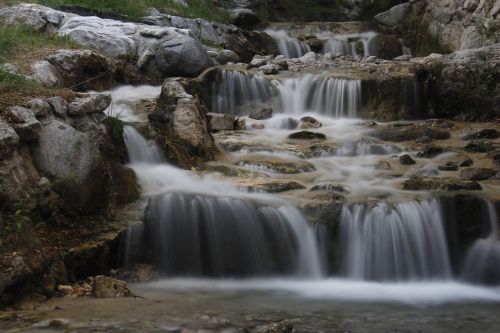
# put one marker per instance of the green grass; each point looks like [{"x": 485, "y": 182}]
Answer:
[
  {"x": 135, "y": 9},
  {"x": 16, "y": 39}
]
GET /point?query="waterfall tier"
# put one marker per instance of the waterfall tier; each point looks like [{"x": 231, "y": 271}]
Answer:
[
  {"x": 197, "y": 235},
  {"x": 238, "y": 93},
  {"x": 404, "y": 241}
]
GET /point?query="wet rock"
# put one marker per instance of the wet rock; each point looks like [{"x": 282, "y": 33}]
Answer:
[
  {"x": 408, "y": 133},
  {"x": 270, "y": 69},
  {"x": 240, "y": 125},
  {"x": 223, "y": 57},
  {"x": 40, "y": 107},
  {"x": 221, "y": 122},
  {"x": 125, "y": 184},
  {"x": 106, "y": 287},
  {"x": 25, "y": 123},
  {"x": 406, "y": 160},
  {"x": 309, "y": 122},
  {"x": 419, "y": 183},
  {"x": 427, "y": 172},
  {"x": 480, "y": 146},
  {"x": 261, "y": 114},
  {"x": 449, "y": 166},
  {"x": 330, "y": 187},
  {"x": 430, "y": 152},
  {"x": 465, "y": 163},
  {"x": 179, "y": 125},
  {"x": 382, "y": 165},
  {"x": 275, "y": 186},
  {"x": 306, "y": 135},
  {"x": 477, "y": 174},
  {"x": 439, "y": 123},
  {"x": 487, "y": 133},
  {"x": 323, "y": 150},
  {"x": 259, "y": 61},
  {"x": 8, "y": 139},
  {"x": 276, "y": 164},
  {"x": 94, "y": 103},
  {"x": 289, "y": 124},
  {"x": 284, "y": 326}
]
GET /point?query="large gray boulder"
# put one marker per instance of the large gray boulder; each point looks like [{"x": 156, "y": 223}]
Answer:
[
  {"x": 110, "y": 37},
  {"x": 393, "y": 16},
  {"x": 72, "y": 161},
  {"x": 34, "y": 16},
  {"x": 181, "y": 56}
]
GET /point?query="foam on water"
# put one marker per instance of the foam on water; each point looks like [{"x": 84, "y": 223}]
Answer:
[{"x": 341, "y": 290}]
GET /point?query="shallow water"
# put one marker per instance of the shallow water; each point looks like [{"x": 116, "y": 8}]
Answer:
[{"x": 315, "y": 305}]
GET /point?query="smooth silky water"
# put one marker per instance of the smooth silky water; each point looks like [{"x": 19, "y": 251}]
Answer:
[{"x": 234, "y": 258}]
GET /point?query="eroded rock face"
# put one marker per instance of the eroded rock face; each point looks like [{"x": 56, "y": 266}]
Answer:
[
  {"x": 8, "y": 139},
  {"x": 71, "y": 159},
  {"x": 180, "y": 126}
]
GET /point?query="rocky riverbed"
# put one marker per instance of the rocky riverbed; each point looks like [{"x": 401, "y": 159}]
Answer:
[{"x": 278, "y": 159}]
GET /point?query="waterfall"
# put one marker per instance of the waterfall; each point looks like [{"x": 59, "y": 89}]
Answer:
[
  {"x": 482, "y": 262},
  {"x": 239, "y": 92},
  {"x": 330, "y": 96},
  {"x": 288, "y": 46},
  {"x": 404, "y": 241},
  {"x": 199, "y": 227},
  {"x": 139, "y": 149}
]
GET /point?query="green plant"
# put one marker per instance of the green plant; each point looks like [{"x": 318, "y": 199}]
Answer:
[{"x": 23, "y": 222}]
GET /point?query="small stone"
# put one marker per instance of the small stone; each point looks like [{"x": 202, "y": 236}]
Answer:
[
  {"x": 406, "y": 160},
  {"x": 94, "y": 103},
  {"x": 25, "y": 123},
  {"x": 450, "y": 166},
  {"x": 430, "y": 152},
  {"x": 59, "y": 106},
  {"x": 382, "y": 165},
  {"x": 106, "y": 287},
  {"x": 270, "y": 69},
  {"x": 465, "y": 163}
]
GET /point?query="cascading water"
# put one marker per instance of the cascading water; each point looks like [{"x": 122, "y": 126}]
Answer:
[
  {"x": 482, "y": 262},
  {"x": 405, "y": 241},
  {"x": 330, "y": 96},
  {"x": 288, "y": 46},
  {"x": 349, "y": 44},
  {"x": 238, "y": 93},
  {"x": 207, "y": 228}
]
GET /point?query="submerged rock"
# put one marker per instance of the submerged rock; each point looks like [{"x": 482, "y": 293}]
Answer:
[
  {"x": 477, "y": 174},
  {"x": 480, "y": 146},
  {"x": 430, "y": 152},
  {"x": 306, "y": 135},
  {"x": 274, "y": 186},
  {"x": 419, "y": 183},
  {"x": 487, "y": 133},
  {"x": 261, "y": 114},
  {"x": 406, "y": 160},
  {"x": 276, "y": 164},
  {"x": 221, "y": 122},
  {"x": 408, "y": 133}
]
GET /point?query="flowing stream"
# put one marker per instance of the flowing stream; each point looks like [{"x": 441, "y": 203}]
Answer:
[{"x": 229, "y": 249}]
